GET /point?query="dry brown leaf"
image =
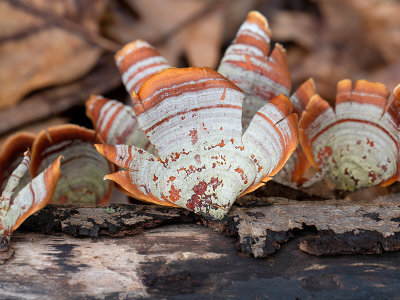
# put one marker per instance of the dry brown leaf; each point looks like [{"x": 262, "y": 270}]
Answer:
[
  {"x": 350, "y": 39},
  {"x": 202, "y": 40},
  {"x": 35, "y": 53},
  {"x": 235, "y": 14},
  {"x": 381, "y": 21},
  {"x": 49, "y": 102},
  {"x": 297, "y": 27},
  {"x": 176, "y": 27}
]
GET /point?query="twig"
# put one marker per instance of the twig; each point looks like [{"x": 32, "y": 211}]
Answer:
[{"x": 66, "y": 24}]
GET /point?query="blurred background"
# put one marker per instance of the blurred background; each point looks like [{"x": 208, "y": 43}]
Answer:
[{"x": 54, "y": 54}]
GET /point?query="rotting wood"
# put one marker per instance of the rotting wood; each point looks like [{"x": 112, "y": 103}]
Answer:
[
  {"x": 115, "y": 220},
  {"x": 341, "y": 227},
  {"x": 184, "y": 261},
  {"x": 331, "y": 226}
]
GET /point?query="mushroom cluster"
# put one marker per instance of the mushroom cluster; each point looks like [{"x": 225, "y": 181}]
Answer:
[
  {"x": 195, "y": 132},
  {"x": 198, "y": 139},
  {"x": 356, "y": 144}
]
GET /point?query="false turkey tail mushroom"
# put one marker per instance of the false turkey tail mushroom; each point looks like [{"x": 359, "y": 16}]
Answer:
[
  {"x": 263, "y": 75},
  {"x": 271, "y": 137},
  {"x": 249, "y": 64},
  {"x": 115, "y": 122},
  {"x": 298, "y": 163},
  {"x": 193, "y": 118},
  {"x": 138, "y": 61},
  {"x": 141, "y": 170},
  {"x": 82, "y": 168},
  {"x": 16, "y": 207},
  {"x": 356, "y": 144},
  {"x": 12, "y": 152}
]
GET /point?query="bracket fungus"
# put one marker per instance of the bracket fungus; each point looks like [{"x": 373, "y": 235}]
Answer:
[
  {"x": 16, "y": 207},
  {"x": 115, "y": 122},
  {"x": 137, "y": 62},
  {"x": 297, "y": 165},
  {"x": 82, "y": 167},
  {"x": 248, "y": 63},
  {"x": 193, "y": 118},
  {"x": 356, "y": 144},
  {"x": 11, "y": 154},
  {"x": 264, "y": 74}
]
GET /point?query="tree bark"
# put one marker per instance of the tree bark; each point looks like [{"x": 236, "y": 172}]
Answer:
[{"x": 262, "y": 225}]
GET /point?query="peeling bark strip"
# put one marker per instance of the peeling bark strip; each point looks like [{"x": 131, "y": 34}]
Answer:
[
  {"x": 82, "y": 169},
  {"x": 357, "y": 144},
  {"x": 341, "y": 227},
  {"x": 193, "y": 118},
  {"x": 116, "y": 220}
]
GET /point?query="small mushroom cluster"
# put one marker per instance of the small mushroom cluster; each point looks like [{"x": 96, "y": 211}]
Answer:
[
  {"x": 198, "y": 156},
  {"x": 356, "y": 144},
  {"x": 190, "y": 115},
  {"x": 75, "y": 179}
]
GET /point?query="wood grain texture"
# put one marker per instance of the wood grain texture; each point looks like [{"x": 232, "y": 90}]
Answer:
[
  {"x": 261, "y": 225},
  {"x": 185, "y": 262}
]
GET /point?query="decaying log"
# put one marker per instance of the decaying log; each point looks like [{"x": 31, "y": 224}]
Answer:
[
  {"x": 340, "y": 227},
  {"x": 262, "y": 225},
  {"x": 185, "y": 261},
  {"x": 116, "y": 220}
]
